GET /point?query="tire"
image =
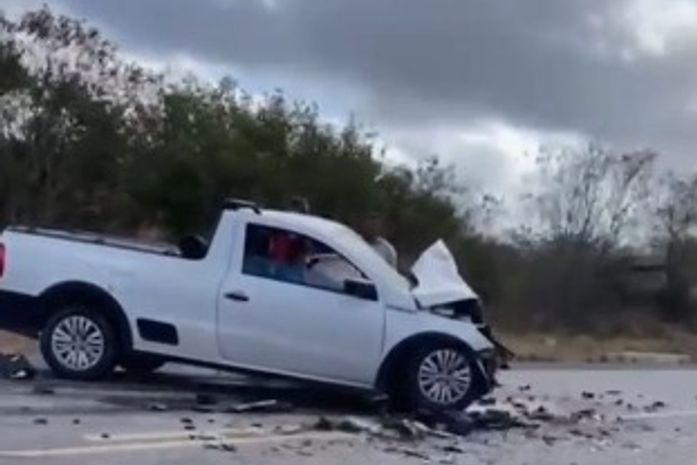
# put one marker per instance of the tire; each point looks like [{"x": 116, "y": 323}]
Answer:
[
  {"x": 79, "y": 343},
  {"x": 141, "y": 364},
  {"x": 442, "y": 376}
]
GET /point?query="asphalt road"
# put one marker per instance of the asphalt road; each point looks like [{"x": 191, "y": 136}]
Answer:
[{"x": 160, "y": 420}]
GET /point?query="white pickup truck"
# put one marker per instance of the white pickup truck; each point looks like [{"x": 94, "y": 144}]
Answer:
[{"x": 275, "y": 292}]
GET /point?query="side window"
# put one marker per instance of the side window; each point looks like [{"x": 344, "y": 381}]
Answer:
[{"x": 290, "y": 257}]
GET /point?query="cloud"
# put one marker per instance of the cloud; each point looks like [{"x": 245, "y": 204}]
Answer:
[{"x": 459, "y": 77}]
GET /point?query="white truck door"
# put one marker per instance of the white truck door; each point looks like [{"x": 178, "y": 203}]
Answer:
[{"x": 283, "y": 308}]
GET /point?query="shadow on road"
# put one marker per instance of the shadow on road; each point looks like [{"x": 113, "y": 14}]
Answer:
[{"x": 216, "y": 392}]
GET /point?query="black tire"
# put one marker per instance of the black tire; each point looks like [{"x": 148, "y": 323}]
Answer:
[
  {"x": 141, "y": 364},
  {"x": 103, "y": 363},
  {"x": 416, "y": 395}
]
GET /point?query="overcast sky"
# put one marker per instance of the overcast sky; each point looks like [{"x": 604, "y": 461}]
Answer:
[{"x": 478, "y": 82}]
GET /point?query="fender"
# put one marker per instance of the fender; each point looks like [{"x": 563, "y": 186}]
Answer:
[
  {"x": 79, "y": 291},
  {"x": 395, "y": 361}
]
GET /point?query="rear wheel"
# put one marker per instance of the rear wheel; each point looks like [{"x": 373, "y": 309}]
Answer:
[
  {"x": 441, "y": 376},
  {"x": 79, "y": 343}
]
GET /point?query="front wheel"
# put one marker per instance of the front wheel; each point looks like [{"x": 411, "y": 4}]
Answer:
[
  {"x": 79, "y": 343},
  {"x": 441, "y": 376}
]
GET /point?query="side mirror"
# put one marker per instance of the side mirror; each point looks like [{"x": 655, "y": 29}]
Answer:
[{"x": 361, "y": 289}]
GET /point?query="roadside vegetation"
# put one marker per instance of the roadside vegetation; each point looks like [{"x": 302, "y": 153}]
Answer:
[{"x": 91, "y": 141}]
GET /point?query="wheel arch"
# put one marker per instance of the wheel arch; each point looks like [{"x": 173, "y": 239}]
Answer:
[
  {"x": 395, "y": 363},
  {"x": 82, "y": 292}
]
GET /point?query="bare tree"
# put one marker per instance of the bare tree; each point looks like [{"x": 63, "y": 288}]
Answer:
[
  {"x": 676, "y": 211},
  {"x": 676, "y": 217},
  {"x": 588, "y": 196}
]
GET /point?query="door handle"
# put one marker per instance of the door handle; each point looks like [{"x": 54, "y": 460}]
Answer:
[{"x": 239, "y": 296}]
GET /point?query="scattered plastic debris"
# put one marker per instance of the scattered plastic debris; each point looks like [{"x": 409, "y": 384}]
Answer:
[
  {"x": 157, "y": 407},
  {"x": 265, "y": 406},
  {"x": 42, "y": 389},
  {"x": 16, "y": 367}
]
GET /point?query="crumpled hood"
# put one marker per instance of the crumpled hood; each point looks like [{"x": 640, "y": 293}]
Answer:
[{"x": 439, "y": 281}]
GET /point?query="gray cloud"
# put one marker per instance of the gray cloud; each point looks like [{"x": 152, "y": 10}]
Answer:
[{"x": 549, "y": 65}]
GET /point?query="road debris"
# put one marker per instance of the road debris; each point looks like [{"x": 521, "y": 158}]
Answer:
[
  {"x": 16, "y": 367},
  {"x": 261, "y": 406},
  {"x": 290, "y": 429},
  {"x": 205, "y": 399},
  {"x": 220, "y": 446},
  {"x": 42, "y": 389},
  {"x": 203, "y": 409},
  {"x": 655, "y": 406},
  {"x": 408, "y": 452},
  {"x": 157, "y": 407}
]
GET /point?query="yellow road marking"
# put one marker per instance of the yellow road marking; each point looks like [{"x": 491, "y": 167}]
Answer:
[{"x": 166, "y": 444}]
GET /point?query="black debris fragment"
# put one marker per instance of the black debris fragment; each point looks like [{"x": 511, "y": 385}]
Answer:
[
  {"x": 582, "y": 414},
  {"x": 655, "y": 406},
  {"x": 587, "y": 395},
  {"x": 455, "y": 422},
  {"x": 541, "y": 414},
  {"x": 323, "y": 424},
  {"x": 290, "y": 429},
  {"x": 42, "y": 389},
  {"x": 494, "y": 419},
  {"x": 582, "y": 433},
  {"x": 205, "y": 399},
  {"x": 265, "y": 406},
  {"x": 16, "y": 367},
  {"x": 453, "y": 448},
  {"x": 203, "y": 409},
  {"x": 157, "y": 407},
  {"x": 76, "y": 421},
  {"x": 40, "y": 421},
  {"x": 485, "y": 401},
  {"x": 220, "y": 446}
]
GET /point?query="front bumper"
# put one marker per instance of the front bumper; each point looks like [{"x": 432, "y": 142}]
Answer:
[
  {"x": 491, "y": 360},
  {"x": 503, "y": 353}
]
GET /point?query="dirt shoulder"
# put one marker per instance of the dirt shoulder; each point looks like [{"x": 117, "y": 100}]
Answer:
[
  {"x": 12, "y": 343},
  {"x": 585, "y": 348}
]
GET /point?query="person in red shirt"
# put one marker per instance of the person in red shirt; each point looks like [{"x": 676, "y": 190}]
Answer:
[{"x": 287, "y": 256}]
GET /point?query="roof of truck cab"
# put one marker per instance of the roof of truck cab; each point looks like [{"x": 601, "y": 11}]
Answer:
[{"x": 300, "y": 221}]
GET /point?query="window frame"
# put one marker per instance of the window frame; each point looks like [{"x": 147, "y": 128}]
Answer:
[{"x": 242, "y": 271}]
